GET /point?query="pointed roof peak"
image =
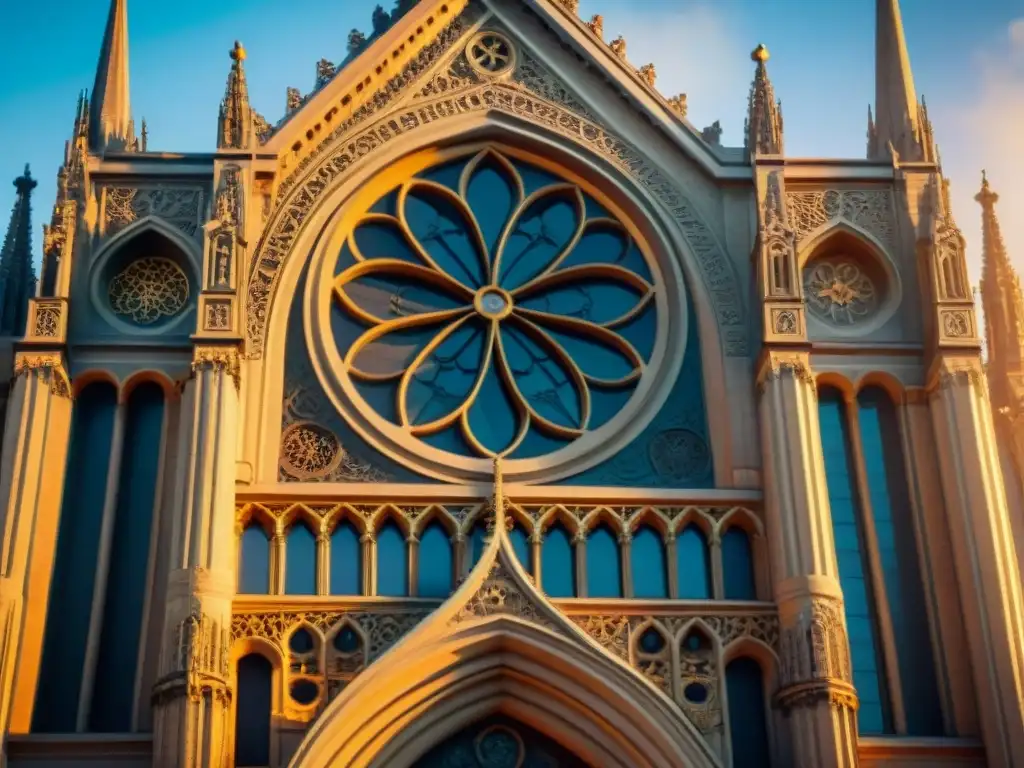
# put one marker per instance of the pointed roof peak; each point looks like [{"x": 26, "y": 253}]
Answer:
[
  {"x": 236, "y": 127},
  {"x": 986, "y": 196},
  {"x": 764, "y": 111},
  {"x": 17, "y": 278},
  {"x": 111, "y": 113},
  {"x": 898, "y": 114}
]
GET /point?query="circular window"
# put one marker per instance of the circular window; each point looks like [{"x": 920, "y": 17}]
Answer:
[
  {"x": 309, "y": 451},
  {"x": 305, "y": 692},
  {"x": 347, "y": 641},
  {"x": 149, "y": 290},
  {"x": 301, "y": 642},
  {"x": 696, "y": 693},
  {"x": 651, "y": 641},
  {"x": 488, "y": 306},
  {"x": 491, "y": 53},
  {"x": 500, "y": 747}
]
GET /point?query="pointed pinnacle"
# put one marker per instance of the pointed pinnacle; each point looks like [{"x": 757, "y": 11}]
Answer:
[
  {"x": 238, "y": 52},
  {"x": 760, "y": 54},
  {"x": 986, "y": 196}
]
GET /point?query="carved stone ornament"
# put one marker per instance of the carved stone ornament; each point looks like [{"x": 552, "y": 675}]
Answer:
[
  {"x": 816, "y": 658},
  {"x": 218, "y": 315},
  {"x": 148, "y": 290},
  {"x": 544, "y": 100},
  {"x": 201, "y": 661},
  {"x": 46, "y": 323},
  {"x": 775, "y": 367},
  {"x": 224, "y": 360},
  {"x": 963, "y": 373},
  {"x": 838, "y": 291},
  {"x": 491, "y": 54},
  {"x": 48, "y": 368},
  {"x": 180, "y": 206},
  {"x": 785, "y": 322},
  {"x": 957, "y": 324},
  {"x": 869, "y": 209},
  {"x": 228, "y": 202}
]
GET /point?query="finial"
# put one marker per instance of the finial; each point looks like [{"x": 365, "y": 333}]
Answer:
[
  {"x": 618, "y": 46},
  {"x": 25, "y": 183},
  {"x": 648, "y": 74},
  {"x": 238, "y": 52},
  {"x": 596, "y": 25},
  {"x": 760, "y": 54},
  {"x": 986, "y": 196}
]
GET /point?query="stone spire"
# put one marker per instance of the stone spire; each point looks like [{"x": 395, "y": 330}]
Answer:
[
  {"x": 110, "y": 123},
  {"x": 236, "y": 124},
  {"x": 17, "y": 279},
  {"x": 1003, "y": 304},
  {"x": 898, "y": 120},
  {"x": 764, "y": 113}
]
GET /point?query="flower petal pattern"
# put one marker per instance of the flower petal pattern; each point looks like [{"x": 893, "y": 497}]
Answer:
[{"x": 489, "y": 299}]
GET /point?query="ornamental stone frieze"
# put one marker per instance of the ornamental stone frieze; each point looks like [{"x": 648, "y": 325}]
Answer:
[
  {"x": 181, "y": 206},
  {"x": 871, "y": 210},
  {"x": 222, "y": 359},
  {"x": 201, "y": 664},
  {"x": 47, "y": 367}
]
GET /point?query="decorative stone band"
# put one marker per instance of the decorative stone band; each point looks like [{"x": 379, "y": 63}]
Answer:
[
  {"x": 48, "y": 368},
  {"x": 223, "y": 359},
  {"x": 808, "y": 695},
  {"x": 775, "y": 366},
  {"x": 948, "y": 373}
]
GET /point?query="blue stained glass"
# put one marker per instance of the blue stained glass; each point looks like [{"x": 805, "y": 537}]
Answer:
[
  {"x": 114, "y": 701},
  {"x": 252, "y": 717},
  {"x": 647, "y": 557},
  {"x": 490, "y": 196},
  {"x": 604, "y": 564},
  {"x": 873, "y": 716},
  {"x": 495, "y": 427},
  {"x": 693, "y": 564},
  {"x": 521, "y": 545},
  {"x": 467, "y": 228},
  {"x": 254, "y": 562},
  {"x": 74, "y": 569},
  {"x": 558, "y": 563},
  {"x": 477, "y": 543},
  {"x": 891, "y": 511},
  {"x": 300, "y": 561},
  {"x": 599, "y": 301},
  {"x": 738, "y": 565},
  {"x": 748, "y": 725},
  {"x": 543, "y": 379},
  {"x": 446, "y": 378},
  {"x": 346, "y": 561},
  {"x": 542, "y": 233},
  {"x": 441, "y": 227},
  {"x": 392, "y": 562},
  {"x": 435, "y": 562}
]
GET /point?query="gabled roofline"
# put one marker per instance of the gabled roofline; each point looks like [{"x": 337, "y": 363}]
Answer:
[
  {"x": 362, "y": 78},
  {"x": 652, "y": 105}
]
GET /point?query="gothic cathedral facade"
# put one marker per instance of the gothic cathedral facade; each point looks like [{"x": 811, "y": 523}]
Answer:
[{"x": 259, "y": 508}]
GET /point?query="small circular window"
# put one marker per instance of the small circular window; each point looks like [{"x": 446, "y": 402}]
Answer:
[
  {"x": 148, "y": 290},
  {"x": 840, "y": 291}
]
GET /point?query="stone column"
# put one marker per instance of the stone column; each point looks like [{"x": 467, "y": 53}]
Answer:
[
  {"x": 193, "y": 694},
  {"x": 988, "y": 575},
  {"x": 31, "y": 485},
  {"x": 816, "y": 691}
]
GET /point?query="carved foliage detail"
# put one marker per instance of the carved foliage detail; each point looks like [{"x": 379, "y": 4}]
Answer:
[
  {"x": 178, "y": 205},
  {"x": 870, "y": 209}
]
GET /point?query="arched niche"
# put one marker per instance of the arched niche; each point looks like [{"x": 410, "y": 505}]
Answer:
[
  {"x": 147, "y": 256},
  {"x": 851, "y": 285},
  {"x": 327, "y": 214}
]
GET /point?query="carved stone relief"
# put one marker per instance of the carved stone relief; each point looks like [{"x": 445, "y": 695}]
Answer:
[
  {"x": 180, "y": 206},
  {"x": 870, "y": 209}
]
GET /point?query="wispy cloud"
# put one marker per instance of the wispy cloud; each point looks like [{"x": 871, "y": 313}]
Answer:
[{"x": 987, "y": 131}]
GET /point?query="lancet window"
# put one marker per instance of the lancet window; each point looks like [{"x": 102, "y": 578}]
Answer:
[
  {"x": 647, "y": 553},
  {"x": 886, "y": 613},
  {"x": 102, "y": 590}
]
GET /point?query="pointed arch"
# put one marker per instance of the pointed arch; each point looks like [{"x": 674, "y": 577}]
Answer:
[
  {"x": 589, "y": 704},
  {"x": 122, "y": 237}
]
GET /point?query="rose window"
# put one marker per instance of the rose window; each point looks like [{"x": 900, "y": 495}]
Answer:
[
  {"x": 489, "y": 308},
  {"x": 838, "y": 291}
]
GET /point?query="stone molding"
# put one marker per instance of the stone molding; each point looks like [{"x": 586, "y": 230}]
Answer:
[{"x": 47, "y": 368}]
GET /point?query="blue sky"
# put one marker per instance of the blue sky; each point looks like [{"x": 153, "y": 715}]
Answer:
[{"x": 968, "y": 61}]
